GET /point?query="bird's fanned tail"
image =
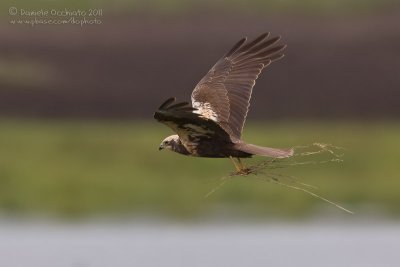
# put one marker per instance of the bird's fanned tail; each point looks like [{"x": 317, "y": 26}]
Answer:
[{"x": 265, "y": 151}]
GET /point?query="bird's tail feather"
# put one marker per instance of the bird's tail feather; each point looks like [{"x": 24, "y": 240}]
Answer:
[{"x": 265, "y": 151}]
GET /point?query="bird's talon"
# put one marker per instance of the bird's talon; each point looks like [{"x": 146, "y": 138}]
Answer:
[{"x": 243, "y": 172}]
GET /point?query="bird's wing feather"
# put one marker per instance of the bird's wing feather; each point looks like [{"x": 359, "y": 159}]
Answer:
[
  {"x": 223, "y": 95},
  {"x": 191, "y": 127}
]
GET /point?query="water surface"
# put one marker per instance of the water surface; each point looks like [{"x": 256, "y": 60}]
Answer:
[{"x": 148, "y": 244}]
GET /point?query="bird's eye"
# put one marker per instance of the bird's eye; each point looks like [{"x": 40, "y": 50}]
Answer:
[{"x": 166, "y": 142}]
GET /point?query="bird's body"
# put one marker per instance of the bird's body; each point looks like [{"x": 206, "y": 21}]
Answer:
[
  {"x": 212, "y": 125},
  {"x": 206, "y": 148}
]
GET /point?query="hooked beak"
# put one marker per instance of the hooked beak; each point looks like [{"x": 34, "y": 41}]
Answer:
[{"x": 161, "y": 147}]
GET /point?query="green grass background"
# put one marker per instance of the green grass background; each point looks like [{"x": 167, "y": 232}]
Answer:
[
  {"x": 103, "y": 168},
  {"x": 89, "y": 168}
]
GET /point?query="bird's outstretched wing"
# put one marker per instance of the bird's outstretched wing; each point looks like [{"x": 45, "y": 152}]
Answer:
[
  {"x": 223, "y": 95},
  {"x": 190, "y": 126}
]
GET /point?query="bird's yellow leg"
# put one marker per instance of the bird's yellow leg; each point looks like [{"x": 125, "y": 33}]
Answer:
[
  {"x": 236, "y": 165},
  {"x": 241, "y": 165}
]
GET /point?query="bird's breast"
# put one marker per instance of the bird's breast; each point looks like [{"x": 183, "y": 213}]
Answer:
[{"x": 191, "y": 147}]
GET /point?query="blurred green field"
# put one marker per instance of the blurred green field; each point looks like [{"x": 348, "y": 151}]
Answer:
[{"x": 90, "y": 168}]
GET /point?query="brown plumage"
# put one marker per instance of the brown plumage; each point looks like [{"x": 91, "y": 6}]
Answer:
[{"x": 212, "y": 126}]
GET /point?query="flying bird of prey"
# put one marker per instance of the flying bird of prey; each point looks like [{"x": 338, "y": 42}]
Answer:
[{"x": 211, "y": 126}]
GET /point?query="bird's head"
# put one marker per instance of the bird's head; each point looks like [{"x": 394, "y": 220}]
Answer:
[{"x": 170, "y": 142}]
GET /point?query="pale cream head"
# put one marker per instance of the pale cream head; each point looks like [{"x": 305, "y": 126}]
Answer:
[{"x": 169, "y": 142}]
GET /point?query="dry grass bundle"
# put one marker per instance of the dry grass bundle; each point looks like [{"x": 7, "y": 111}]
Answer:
[{"x": 265, "y": 170}]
